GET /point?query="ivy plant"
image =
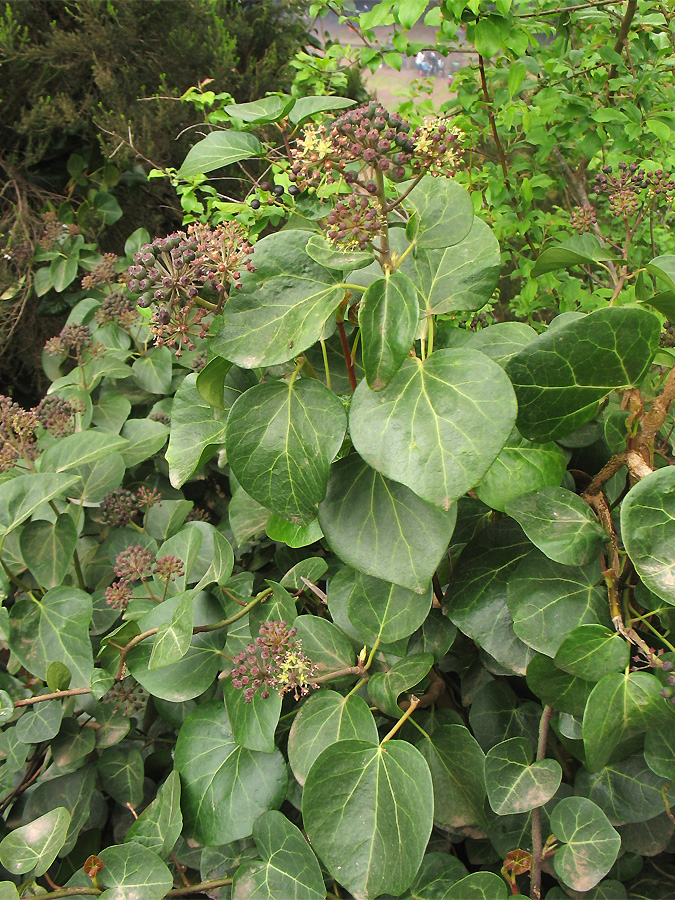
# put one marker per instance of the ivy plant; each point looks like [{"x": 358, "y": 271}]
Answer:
[{"x": 308, "y": 594}]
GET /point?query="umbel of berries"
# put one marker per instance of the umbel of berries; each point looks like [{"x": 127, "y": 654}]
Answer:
[{"x": 274, "y": 661}]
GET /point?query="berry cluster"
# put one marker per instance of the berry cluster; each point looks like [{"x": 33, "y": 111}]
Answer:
[
  {"x": 137, "y": 563},
  {"x": 76, "y": 342},
  {"x": 583, "y": 218},
  {"x": 669, "y": 691},
  {"x": 18, "y": 426},
  {"x": 354, "y": 222},
  {"x": 57, "y": 416},
  {"x": 437, "y": 148},
  {"x": 119, "y": 308},
  {"x": 102, "y": 273},
  {"x": 119, "y": 506},
  {"x": 623, "y": 189},
  {"x": 274, "y": 661},
  {"x": 126, "y": 697},
  {"x": 55, "y": 231},
  {"x": 661, "y": 185}
]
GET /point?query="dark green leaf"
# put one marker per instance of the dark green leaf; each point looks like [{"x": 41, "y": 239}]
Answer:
[
  {"x": 79, "y": 449},
  {"x": 560, "y": 377},
  {"x": 267, "y": 109},
  {"x": 195, "y": 432},
  {"x": 626, "y": 791},
  {"x": 592, "y": 651},
  {"x": 496, "y": 715},
  {"x": 121, "y": 774},
  {"x": 361, "y": 803},
  {"x": 457, "y": 764},
  {"x": 21, "y": 496},
  {"x": 220, "y": 148},
  {"x": 521, "y": 466},
  {"x": 575, "y": 250},
  {"x": 211, "y": 381},
  {"x": 159, "y": 825},
  {"x": 153, "y": 372},
  {"x": 516, "y": 784},
  {"x": 442, "y": 213},
  {"x": 173, "y": 637},
  {"x": 282, "y": 307},
  {"x": 327, "y": 646},
  {"x": 556, "y": 688},
  {"x": 438, "y": 425},
  {"x": 288, "y": 867},
  {"x": 281, "y": 440},
  {"x": 41, "y": 723},
  {"x": 589, "y": 844},
  {"x": 479, "y": 886},
  {"x": 648, "y": 531},
  {"x": 253, "y": 724},
  {"x": 382, "y": 528},
  {"x": 560, "y": 524},
  {"x": 436, "y": 875},
  {"x": 47, "y": 548},
  {"x": 225, "y": 787},
  {"x": 384, "y": 688},
  {"x": 388, "y": 317},
  {"x": 324, "y": 719}
]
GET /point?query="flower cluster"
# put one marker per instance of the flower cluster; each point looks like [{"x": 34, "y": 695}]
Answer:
[
  {"x": 74, "y": 341},
  {"x": 137, "y": 563},
  {"x": 134, "y": 563},
  {"x": 353, "y": 222},
  {"x": 274, "y": 661},
  {"x": 119, "y": 506},
  {"x": 54, "y": 231},
  {"x": 437, "y": 148},
  {"x": 623, "y": 189},
  {"x": 102, "y": 273},
  {"x": 18, "y": 426},
  {"x": 583, "y": 218}
]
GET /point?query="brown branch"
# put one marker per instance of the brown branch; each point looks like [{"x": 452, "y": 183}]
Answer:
[
  {"x": 626, "y": 22},
  {"x": 568, "y": 9},
  {"x": 537, "y": 844},
  {"x": 347, "y": 353},
  {"x": 493, "y": 124},
  {"x": 57, "y": 695},
  {"x": 652, "y": 422}
]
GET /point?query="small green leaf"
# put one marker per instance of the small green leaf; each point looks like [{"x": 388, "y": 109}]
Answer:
[
  {"x": 556, "y": 688},
  {"x": 267, "y": 109},
  {"x": 253, "y": 724},
  {"x": 289, "y": 868},
  {"x": 308, "y": 106},
  {"x": 211, "y": 381},
  {"x": 388, "y": 317},
  {"x": 33, "y": 847},
  {"x": 159, "y": 825},
  {"x": 79, "y": 449},
  {"x": 589, "y": 844},
  {"x": 21, "y": 496},
  {"x": 121, "y": 774},
  {"x": 41, "y": 723},
  {"x": 333, "y": 257},
  {"x": 514, "y": 783},
  {"x": 522, "y": 466},
  {"x": 153, "y": 372},
  {"x": 218, "y": 149},
  {"x": 384, "y": 688},
  {"x": 173, "y": 637},
  {"x": 575, "y": 250},
  {"x": 592, "y": 651},
  {"x": 361, "y": 803},
  {"x": 196, "y": 433}
]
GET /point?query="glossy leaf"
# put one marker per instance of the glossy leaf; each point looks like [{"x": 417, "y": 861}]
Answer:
[
  {"x": 438, "y": 425},
  {"x": 307, "y": 106},
  {"x": 121, "y": 775},
  {"x": 547, "y": 600},
  {"x": 281, "y": 307},
  {"x": 388, "y": 317},
  {"x": 220, "y": 148},
  {"x": 382, "y": 528},
  {"x": 514, "y": 782},
  {"x": 573, "y": 251},
  {"x": 33, "y": 847},
  {"x": 589, "y": 844},
  {"x": 79, "y": 449},
  {"x": 292, "y": 535},
  {"x": 211, "y": 381},
  {"x": 225, "y": 787},
  {"x": 41, "y": 723},
  {"x": 379, "y": 608},
  {"x": 173, "y": 637},
  {"x": 153, "y": 372},
  {"x": 620, "y": 707},
  {"x": 592, "y": 651},
  {"x": 288, "y": 867},
  {"x": 560, "y": 377},
  {"x": 324, "y": 643},
  {"x": 146, "y": 437},
  {"x": 267, "y": 109},
  {"x": 560, "y": 524},
  {"x": 281, "y": 440},
  {"x": 74, "y": 792},
  {"x": 457, "y": 766},
  {"x": 55, "y": 628},
  {"x": 436, "y": 875},
  {"x": 47, "y": 549},
  {"x": 384, "y": 688},
  {"x": 442, "y": 213},
  {"x": 333, "y": 257},
  {"x": 556, "y": 688},
  {"x": 253, "y": 724},
  {"x": 521, "y": 466},
  {"x": 323, "y": 720},
  {"x": 648, "y": 531},
  {"x": 196, "y": 432},
  {"x": 361, "y": 803}
]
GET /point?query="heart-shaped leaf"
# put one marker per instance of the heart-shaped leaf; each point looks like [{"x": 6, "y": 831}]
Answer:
[
  {"x": 197, "y": 430},
  {"x": 47, "y": 548},
  {"x": 173, "y": 638},
  {"x": 361, "y": 803},
  {"x": 281, "y": 440},
  {"x": 516, "y": 784},
  {"x": 442, "y": 213},
  {"x": 627, "y": 792},
  {"x": 33, "y": 847},
  {"x": 253, "y": 724},
  {"x": 521, "y": 466},
  {"x": 589, "y": 844},
  {"x": 288, "y": 867},
  {"x": 382, "y": 528},
  {"x": 438, "y": 425}
]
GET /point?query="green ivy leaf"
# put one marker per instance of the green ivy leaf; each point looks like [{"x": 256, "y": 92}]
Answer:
[
  {"x": 560, "y": 524},
  {"x": 196, "y": 432},
  {"x": 47, "y": 548},
  {"x": 173, "y": 638},
  {"x": 361, "y": 803},
  {"x": 282, "y": 307},
  {"x": 648, "y": 531},
  {"x": 476, "y": 600},
  {"x": 225, "y": 787},
  {"x": 323, "y": 720},
  {"x": 522, "y": 466},
  {"x": 333, "y": 257},
  {"x": 41, "y": 723},
  {"x": 516, "y": 784},
  {"x": 384, "y": 688},
  {"x": 592, "y": 651},
  {"x": 74, "y": 792},
  {"x": 560, "y": 377},
  {"x": 159, "y": 825},
  {"x": 281, "y": 440},
  {"x": 267, "y": 109},
  {"x": 211, "y": 381},
  {"x": 21, "y": 496},
  {"x": 309, "y": 106},
  {"x": 120, "y": 771},
  {"x": 55, "y": 628},
  {"x": 627, "y": 791},
  {"x": 576, "y": 250},
  {"x": 288, "y": 867},
  {"x": 62, "y": 272},
  {"x": 218, "y": 149},
  {"x": 501, "y": 341},
  {"x": 457, "y": 766},
  {"x": 438, "y": 425},
  {"x": 292, "y": 535},
  {"x": 556, "y": 688},
  {"x": 132, "y": 872},
  {"x": 620, "y": 707},
  {"x": 79, "y": 449},
  {"x": 153, "y": 372},
  {"x": 379, "y": 608},
  {"x": 479, "y": 886},
  {"x": 382, "y": 528},
  {"x": 146, "y": 438},
  {"x": 589, "y": 844},
  {"x": 253, "y": 724},
  {"x": 442, "y": 213},
  {"x": 547, "y": 600},
  {"x": 33, "y": 847},
  {"x": 324, "y": 643},
  {"x": 388, "y": 317}
]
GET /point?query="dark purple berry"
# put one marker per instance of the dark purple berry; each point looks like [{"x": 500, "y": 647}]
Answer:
[{"x": 255, "y": 203}]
